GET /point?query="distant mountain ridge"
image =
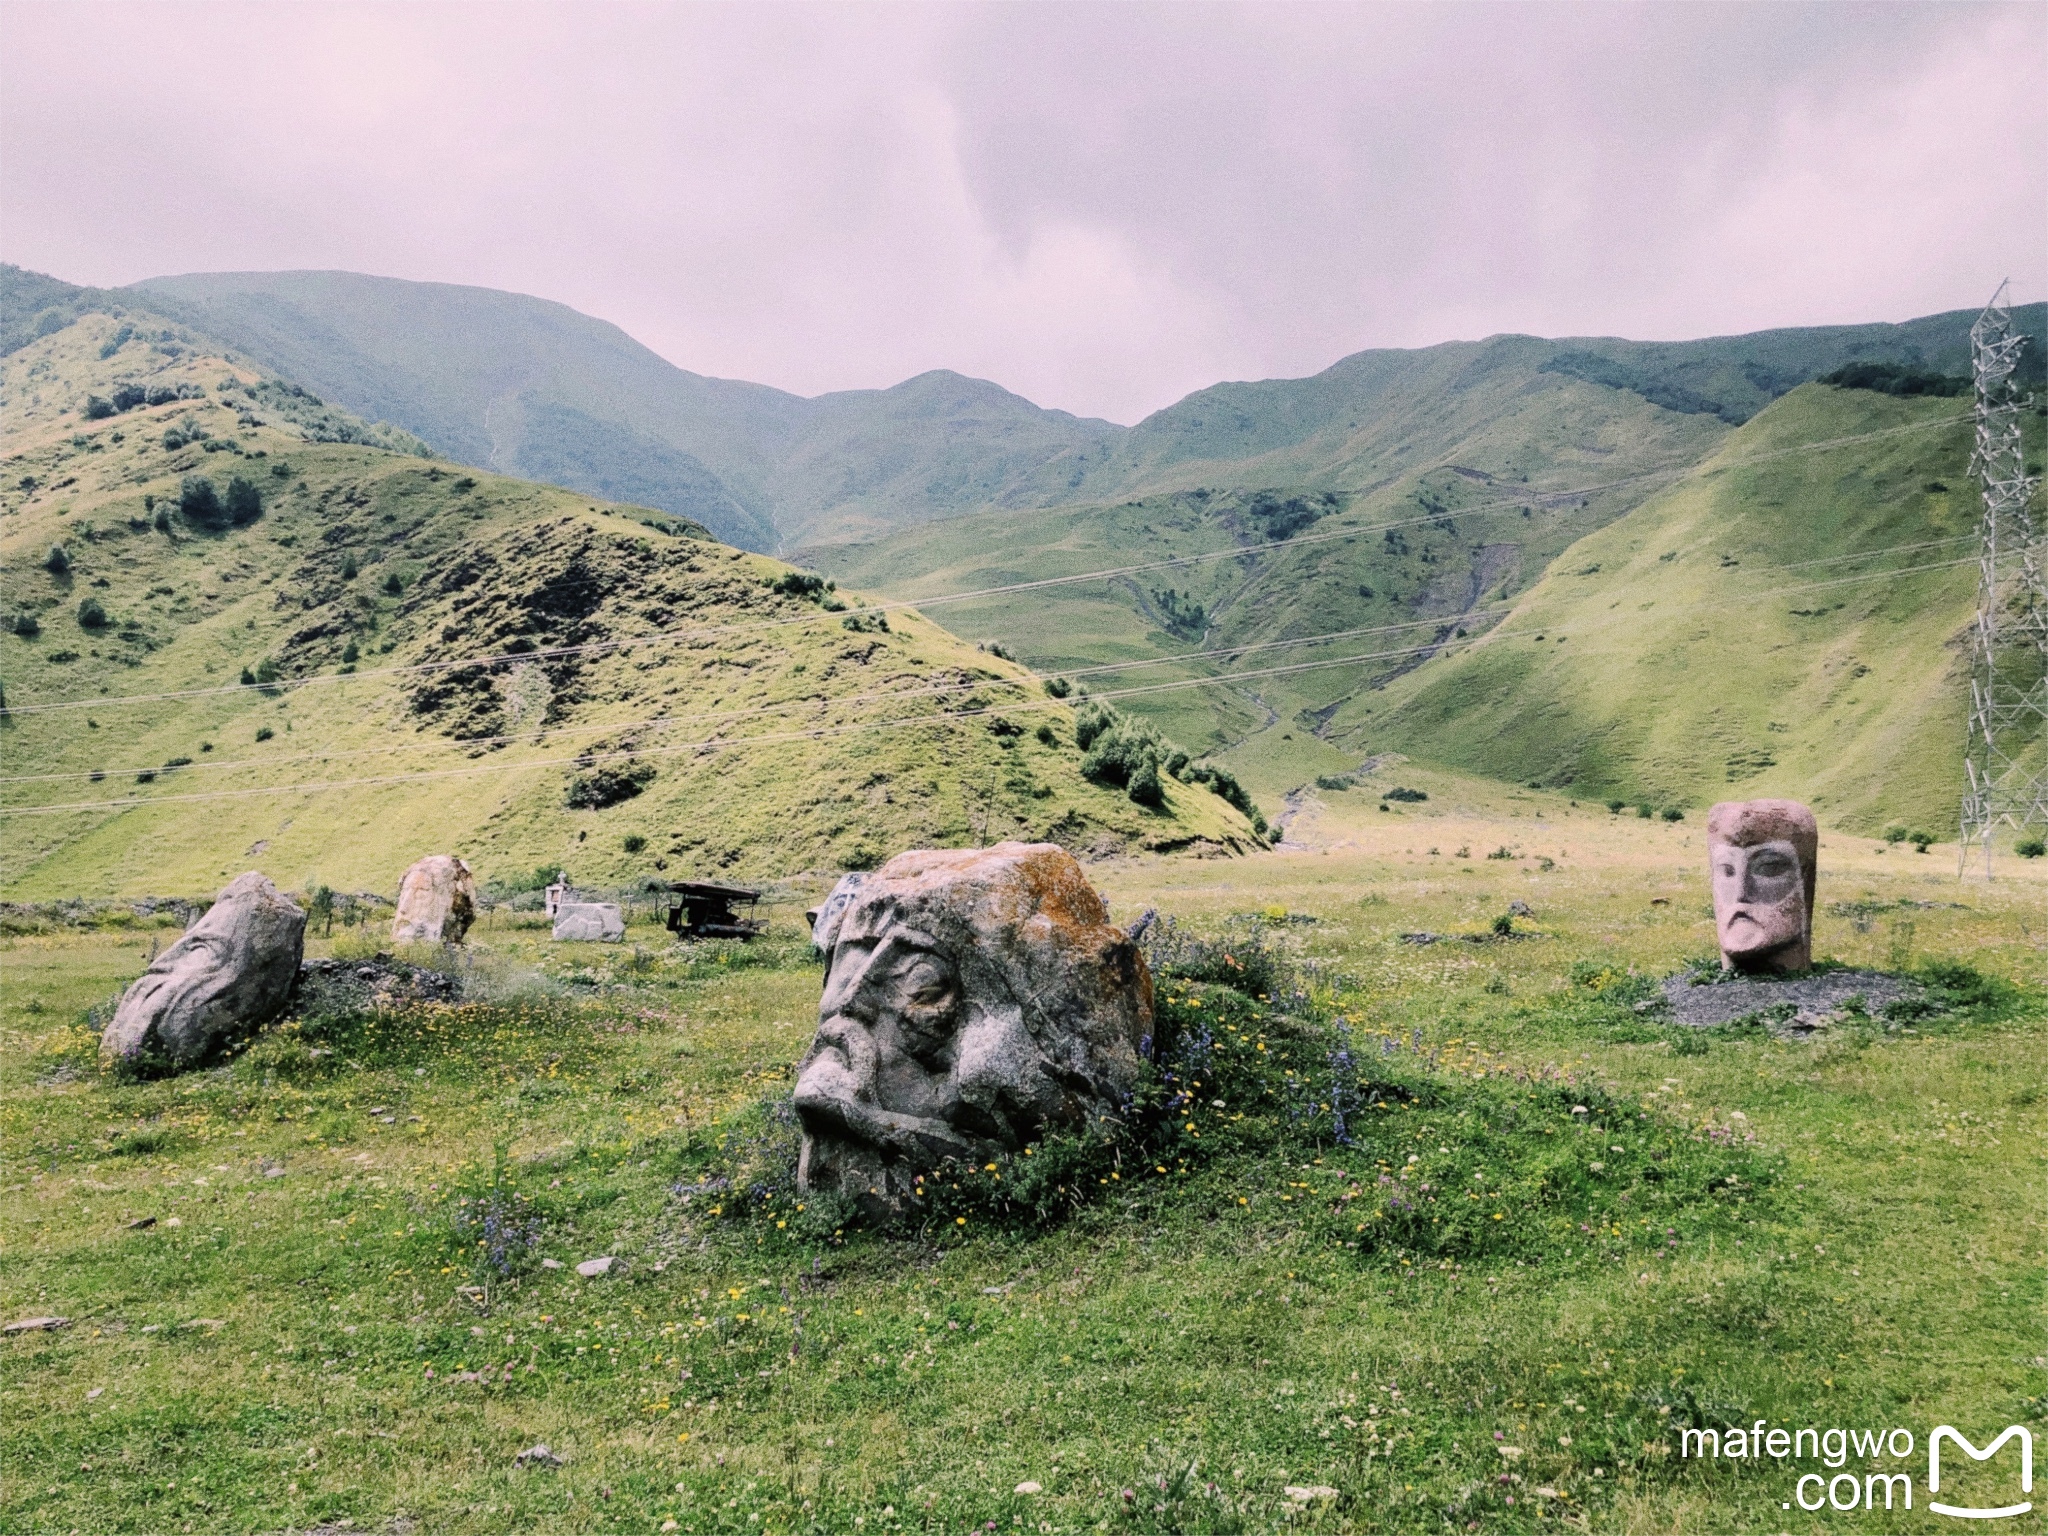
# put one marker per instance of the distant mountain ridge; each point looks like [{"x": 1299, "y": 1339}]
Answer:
[{"x": 534, "y": 388}]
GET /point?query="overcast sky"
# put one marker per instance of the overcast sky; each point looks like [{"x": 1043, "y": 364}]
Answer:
[{"x": 1101, "y": 207}]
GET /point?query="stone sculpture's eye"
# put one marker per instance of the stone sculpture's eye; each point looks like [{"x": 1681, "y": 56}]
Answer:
[{"x": 926, "y": 983}]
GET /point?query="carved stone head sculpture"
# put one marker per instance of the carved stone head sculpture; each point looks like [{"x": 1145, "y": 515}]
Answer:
[
  {"x": 232, "y": 970},
  {"x": 1762, "y": 856},
  {"x": 974, "y": 999},
  {"x": 436, "y": 902}
]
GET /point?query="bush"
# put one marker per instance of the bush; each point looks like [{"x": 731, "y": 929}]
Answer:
[
  {"x": 2030, "y": 847},
  {"x": 1046, "y": 734},
  {"x": 1673, "y": 813},
  {"x": 25, "y": 624},
  {"x": 200, "y": 502},
  {"x": 1058, "y": 687},
  {"x": 609, "y": 786},
  {"x": 1896, "y": 834},
  {"x": 244, "y": 503},
  {"x": 393, "y": 586},
  {"x": 264, "y": 733},
  {"x": 1406, "y": 796},
  {"x": 1643, "y": 812},
  {"x": 1617, "y": 806},
  {"x": 97, "y": 409},
  {"x": 800, "y": 584},
  {"x": 634, "y": 843},
  {"x": 58, "y": 561},
  {"x": 91, "y": 615}
]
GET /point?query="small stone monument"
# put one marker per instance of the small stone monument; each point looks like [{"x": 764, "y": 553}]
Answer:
[
  {"x": 974, "y": 999},
  {"x": 1762, "y": 856},
  {"x": 436, "y": 902},
  {"x": 597, "y": 921},
  {"x": 232, "y": 971}
]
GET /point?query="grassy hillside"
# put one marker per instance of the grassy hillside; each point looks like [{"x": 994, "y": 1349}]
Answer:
[
  {"x": 1704, "y": 655},
  {"x": 1504, "y": 476},
  {"x": 638, "y": 660},
  {"x": 1743, "y": 633}
]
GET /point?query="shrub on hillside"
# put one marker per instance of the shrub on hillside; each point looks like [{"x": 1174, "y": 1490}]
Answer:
[
  {"x": 608, "y": 786},
  {"x": 58, "y": 561},
  {"x": 199, "y": 502},
  {"x": 243, "y": 503},
  {"x": 91, "y": 615}
]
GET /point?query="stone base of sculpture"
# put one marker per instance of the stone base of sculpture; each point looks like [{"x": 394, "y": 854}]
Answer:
[
  {"x": 974, "y": 1000},
  {"x": 230, "y": 973}
]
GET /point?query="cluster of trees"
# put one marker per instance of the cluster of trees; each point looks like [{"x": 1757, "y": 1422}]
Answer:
[
  {"x": 1133, "y": 756},
  {"x": 204, "y": 505},
  {"x": 1896, "y": 379},
  {"x": 127, "y": 397}
]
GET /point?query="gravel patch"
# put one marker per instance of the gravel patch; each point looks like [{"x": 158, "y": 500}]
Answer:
[{"x": 1815, "y": 1000}]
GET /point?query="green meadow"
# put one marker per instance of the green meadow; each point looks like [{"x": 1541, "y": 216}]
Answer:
[{"x": 312, "y": 1287}]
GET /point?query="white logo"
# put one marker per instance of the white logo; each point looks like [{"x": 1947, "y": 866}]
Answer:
[{"x": 1969, "y": 1450}]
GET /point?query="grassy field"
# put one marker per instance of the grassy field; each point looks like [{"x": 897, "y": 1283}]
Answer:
[{"x": 288, "y": 1343}]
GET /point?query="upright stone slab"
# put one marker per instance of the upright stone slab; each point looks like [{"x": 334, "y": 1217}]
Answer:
[
  {"x": 974, "y": 999},
  {"x": 231, "y": 972},
  {"x": 600, "y": 921},
  {"x": 1763, "y": 857},
  {"x": 436, "y": 902}
]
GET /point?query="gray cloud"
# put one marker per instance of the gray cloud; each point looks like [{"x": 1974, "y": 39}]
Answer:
[{"x": 1100, "y": 207}]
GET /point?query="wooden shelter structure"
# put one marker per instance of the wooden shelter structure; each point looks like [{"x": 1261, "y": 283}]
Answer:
[{"x": 705, "y": 909}]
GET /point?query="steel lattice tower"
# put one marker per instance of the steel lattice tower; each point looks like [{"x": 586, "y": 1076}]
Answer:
[{"x": 2005, "y": 761}]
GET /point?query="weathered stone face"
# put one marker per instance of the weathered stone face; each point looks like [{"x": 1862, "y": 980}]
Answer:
[
  {"x": 232, "y": 971},
  {"x": 436, "y": 902},
  {"x": 1762, "y": 856},
  {"x": 974, "y": 999},
  {"x": 824, "y": 918},
  {"x": 597, "y": 921}
]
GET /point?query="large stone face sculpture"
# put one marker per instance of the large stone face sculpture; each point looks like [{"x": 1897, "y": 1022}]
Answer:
[
  {"x": 232, "y": 970},
  {"x": 974, "y": 999},
  {"x": 1762, "y": 855},
  {"x": 436, "y": 902}
]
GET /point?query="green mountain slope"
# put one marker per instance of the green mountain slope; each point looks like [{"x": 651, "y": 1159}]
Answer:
[
  {"x": 651, "y": 683},
  {"x": 1759, "y": 629},
  {"x": 534, "y": 388},
  {"x": 1705, "y": 653}
]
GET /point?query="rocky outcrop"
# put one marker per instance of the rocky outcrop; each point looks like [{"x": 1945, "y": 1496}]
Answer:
[
  {"x": 974, "y": 999},
  {"x": 436, "y": 902},
  {"x": 232, "y": 971}
]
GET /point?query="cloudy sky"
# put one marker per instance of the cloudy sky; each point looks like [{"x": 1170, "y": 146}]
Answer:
[{"x": 1101, "y": 207}]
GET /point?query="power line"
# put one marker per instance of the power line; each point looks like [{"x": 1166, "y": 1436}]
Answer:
[{"x": 1352, "y": 531}]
